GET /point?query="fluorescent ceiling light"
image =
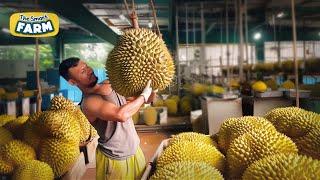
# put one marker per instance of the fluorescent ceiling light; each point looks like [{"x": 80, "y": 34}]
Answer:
[
  {"x": 257, "y": 36},
  {"x": 280, "y": 14}
]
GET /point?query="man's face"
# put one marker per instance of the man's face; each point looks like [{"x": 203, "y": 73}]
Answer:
[{"x": 82, "y": 75}]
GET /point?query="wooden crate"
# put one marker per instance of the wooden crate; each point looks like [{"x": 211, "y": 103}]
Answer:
[{"x": 151, "y": 166}]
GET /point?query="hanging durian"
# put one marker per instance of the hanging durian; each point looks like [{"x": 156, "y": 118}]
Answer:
[{"x": 140, "y": 55}]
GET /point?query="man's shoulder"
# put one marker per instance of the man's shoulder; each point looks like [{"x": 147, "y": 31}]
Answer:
[{"x": 90, "y": 98}]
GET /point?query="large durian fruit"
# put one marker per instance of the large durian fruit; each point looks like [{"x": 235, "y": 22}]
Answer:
[
  {"x": 87, "y": 131},
  {"x": 59, "y": 154},
  {"x": 33, "y": 133},
  {"x": 256, "y": 145},
  {"x": 187, "y": 170},
  {"x": 139, "y": 56},
  {"x": 33, "y": 170},
  {"x": 193, "y": 137},
  {"x": 235, "y": 127},
  {"x": 192, "y": 151},
  {"x": 60, "y": 124},
  {"x": 283, "y": 166},
  {"x": 17, "y": 152},
  {"x": 292, "y": 121}
]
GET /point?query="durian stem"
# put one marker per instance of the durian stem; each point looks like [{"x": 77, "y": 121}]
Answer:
[
  {"x": 134, "y": 19},
  {"x": 133, "y": 15}
]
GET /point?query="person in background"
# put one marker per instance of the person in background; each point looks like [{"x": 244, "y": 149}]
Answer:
[{"x": 118, "y": 155}]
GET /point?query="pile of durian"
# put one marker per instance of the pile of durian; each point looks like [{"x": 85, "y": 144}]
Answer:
[
  {"x": 285, "y": 144},
  {"x": 44, "y": 145}
]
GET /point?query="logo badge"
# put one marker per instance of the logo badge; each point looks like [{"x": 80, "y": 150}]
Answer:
[{"x": 34, "y": 24}]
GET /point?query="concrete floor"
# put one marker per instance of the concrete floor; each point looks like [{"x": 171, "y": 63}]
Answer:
[{"x": 149, "y": 143}]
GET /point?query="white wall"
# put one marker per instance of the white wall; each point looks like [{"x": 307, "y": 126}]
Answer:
[
  {"x": 213, "y": 53},
  {"x": 286, "y": 53}
]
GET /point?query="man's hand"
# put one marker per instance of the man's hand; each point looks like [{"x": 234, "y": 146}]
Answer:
[
  {"x": 152, "y": 96},
  {"x": 147, "y": 91}
]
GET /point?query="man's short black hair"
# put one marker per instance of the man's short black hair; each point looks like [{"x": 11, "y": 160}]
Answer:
[{"x": 65, "y": 65}]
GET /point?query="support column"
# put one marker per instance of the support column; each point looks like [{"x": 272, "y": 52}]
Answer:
[
  {"x": 241, "y": 53},
  {"x": 203, "y": 41}
]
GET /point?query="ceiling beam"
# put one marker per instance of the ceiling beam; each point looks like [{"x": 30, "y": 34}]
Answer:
[{"x": 75, "y": 12}]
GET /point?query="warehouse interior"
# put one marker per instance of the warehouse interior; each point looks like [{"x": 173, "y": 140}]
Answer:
[{"x": 244, "y": 79}]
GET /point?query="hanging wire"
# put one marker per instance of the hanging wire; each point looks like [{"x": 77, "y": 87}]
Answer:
[
  {"x": 227, "y": 42},
  {"x": 155, "y": 17},
  {"x": 39, "y": 93},
  {"x": 127, "y": 7},
  {"x": 235, "y": 28},
  {"x": 221, "y": 44},
  {"x": 133, "y": 6},
  {"x": 294, "y": 32}
]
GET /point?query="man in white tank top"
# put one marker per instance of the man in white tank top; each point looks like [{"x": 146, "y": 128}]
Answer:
[{"x": 118, "y": 155}]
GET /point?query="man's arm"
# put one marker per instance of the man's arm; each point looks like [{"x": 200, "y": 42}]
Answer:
[
  {"x": 105, "y": 110},
  {"x": 97, "y": 107}
]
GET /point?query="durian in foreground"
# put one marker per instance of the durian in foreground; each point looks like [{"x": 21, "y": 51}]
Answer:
[
  {"x": 187, "y": 170},
  {"x": 139, "y": 56},
  {"x": 283, "y": 166},
  {"x": 292, "y": 121},
  {"x": 59, "y": 154},
  {"x": 192, "y": 151},
  {"x": 17, "y": 152},
  {"x": 310, "y": 143},
  {"x": 61, "y": 124},
  {"x": 235, "y": 127},
  {"x": 256, "y": 145},
  {"x": 33, "y": 170},
  {"x": 192, "y": 137},
  {"x": 61, "y": 103}
]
